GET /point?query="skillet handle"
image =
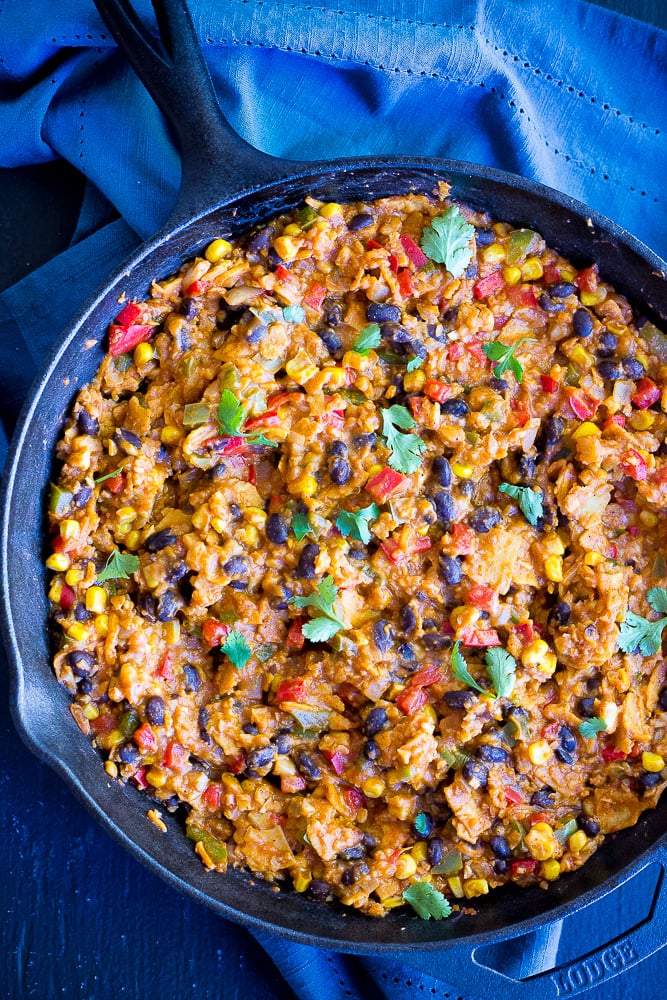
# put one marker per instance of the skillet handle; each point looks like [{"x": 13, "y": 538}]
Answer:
[
  {"x": 216, "y": 162},
  {"x": 463, "y": 967}
]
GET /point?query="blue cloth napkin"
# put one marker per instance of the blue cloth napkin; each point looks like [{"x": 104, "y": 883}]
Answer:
[{"x": 570, "y": 95}]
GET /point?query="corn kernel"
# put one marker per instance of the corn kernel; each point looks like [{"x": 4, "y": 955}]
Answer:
[
  {"x": 406, "y": 866},
  {"x": 133, "y": 540},
  {"x": 330, "y": 210},
  {"x": 152, "y": 575},
  {"x": 512, "y": 275},
  {"x": 305, "y": 486},
  {"x": 550, "y": 870},
  {"x": 463, "y": 470},
  {"x": 463, "y": 615},
  {"x": 414, "y": 381},
  {"x": 532, "y": 269},
  {"x": 301, "y": 368},
  {"x": 577, "y": 841},
  {"x": 77, "y": 631},
  {"x": 126, "y": 514},
  {"x": 56, "y": 590},
  {"x": 96, "y": 600},
  {"x": 553, "y": 568},
  {"x": 74, "y": 576},
  {"x": 102, "y": 625},
  {"x": 420, "y": 851},
  {"x": 301, "y": 883},
  {"x": 641, "y": 420},
  {"x": 286, "y": 248},
  {"x": 456, "y": 886},
  {"x": 430, "y": 713},
  {"x": 493, "y": 254},
  {"x": 248, "y": 535},
  {"x": 115, "y": 738},
  {"x": 393, "y": 902},
  {"x": 69, "y": 528},
  {"x": 373, "y": 787},
  {"x": 549, "y": 664},
  {"x": 587, "y": 429},
  {"x": 91, "y": 711},
  {"x": 112, "y": 770},
  {"x": 157, "y": 777},
  {"x": 256, "y": 516},
  {"x": 648, "y": 518},
  {"x": 581, "y": 356},
  {"x": 143, "y": 354},
  {"x": 541, "y": 842},
  {"x": 567, "y": 274},
  {"x": 292, "y": 230},
  {"x": 217, "y": 250},
  {"x": 534, "y": 653},
  {"x": 172, "y": 632},
  {"x": 475, "y": 887},
  {"x": 59, "y": 562},
  {"x": 539, "y": 752},
  {"x": 592, "y": 559},
  {"x": 170, "y": 435},
  {"x": 336, "y": 377},
  {"x": 593, "y": 298},
  {"x": 642, "y": 359},
  {"x": 374, "y": 469},
  {"x": 652, "y": 762}
]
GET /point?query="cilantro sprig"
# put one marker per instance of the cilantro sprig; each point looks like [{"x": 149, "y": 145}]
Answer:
[
  {"x": 500, "y": 667},
  {"x": 530, "y": 502},
  {"x": 369, "y": 337},
  {"x": 301, "y": 526},
  {"x": 589, "y": 728},
  {"x": 325, "y": 625},
  {"x": 637, "y": 633},
  {"x": 355, "y": 525},
  {"x": 119, "y": 566},
  {"x": 448, "y": 241},
  {"x": 236, "y": 649},
  {"x": 231, "y": 418},
  {"x": 406, "y": 449},
  {"x": 293, "y": 314},
  {"x": 414, "y": 363},
  {"x": 426, "y": 901},
  {"x": 504, "y": 355}
]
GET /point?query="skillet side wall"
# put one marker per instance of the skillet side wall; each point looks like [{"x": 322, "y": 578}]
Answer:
[{"x": 39, "y": 704}]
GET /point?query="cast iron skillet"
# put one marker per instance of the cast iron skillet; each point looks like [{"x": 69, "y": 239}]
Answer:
[{"x": 227, "y": 188}]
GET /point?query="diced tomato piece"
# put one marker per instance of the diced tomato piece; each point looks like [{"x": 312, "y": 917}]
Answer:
[
  {"x": 463, "y": 538},
  {"x": 521, "y": 296},
  {"x": 405, "y": 286},
  {"x": 411, "y": 699},
  {"x": 481, "y": 596},
  {"x": 164, "y": 668},
  {"x": 393, "y": 262},
  {"x": 252, "y": 475},
  {"x": 634, "y": 465},
  {"x": 129, "y": 314},
  {"x": 471, "y": 636},
  {"x": 334, "y": 419},
  {"x": 214, "y": 632},
  {"x": 550, "y": 731},
  {"x": 437, "y": 391},
  {"x": 103, "y": 724},
  {"x": 422, "y": 543},
  {"x": 229, "y": 446},
  {"x": 549, "y": 384},
  {"x": 582, "y": 405},
  {"x": 539, "y": 817},
  {"x": 415, "y": 253},
  {"x": 385, "y": 484},
  {"x": 291, "y": 783},
  {"x": 551, "y": 274},
  {"x": 455, "y": 351},
  {"x": 195, "y": 288},
  {"x": 315, "y": 295},
  {"x": 499, "y": 321},
  {"x": 139, "y": 779},
  {"x": 125, "y": 338},
  {"x": 616, "y": 420},
  {"x": 175, "y": 756},
  {"x": 417, "y": 405},
  {"x": 269, "y": 418},
  {"x": 475, "y": 348},
  {"x": 236, "y": 764},
  {"x": 337, "y": 760},
  {"x": 588, "y": 279},
  {"x": 59, "y": 544},
  {"x": 67, "y": 596},
  {"x": 611, "y": 753},
  {"x": 374, "y": 245},
  {"x": 145, "y": 738},
  {"x": 523, "y": 866},
  {"x": 280, "y": 398},
  {"x": 295, "y": 637},
  {"x": 447, "y": 629},
  {"x": 513, "y": 797},
  {"x": 647, "y": 394},
  {"x": 212, "y": 796},
  {"x": 354, "y": 797},
  {"x": 283, "y": 273},
  {"x": 659, "y": 477},
  {"x": 426, "y": 676},
  {"x": 392, "y": 550},
  {"x": 525, "y": 632},
  {"x": 291, "y": 689},
  {"x": 489, "y": 285},
  {"x": 117, "y": 483},
  {"x": 521, "y": 410}
]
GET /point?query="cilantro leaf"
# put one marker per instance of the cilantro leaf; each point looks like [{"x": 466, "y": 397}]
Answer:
[
  {"x": 530, "y": 502},
  {"x": 301, "y": 526},
  {"x": 460, "y": 669},
  {"x": 119, "y": 566},
  {"x": 504, "y": 355},
  {"x": 369, "y": 337},
  {"x": 448, "y": 241},
  {"x": 657, "y": 598},
  {"x": 589, "y": 728},
  {"x": 321, "y": 629},
  {"x": 426, "y": 901},
  {"x": 236, "y": 649},
  {"x": 421, "y": 824},
  {"x": 414, "y": 363},
  {"x": 405, "y": 449},
  {"x": 501, "y": 668},
  {"x": 230, "y": 413},
  {"x": 356, "y": 524},
  {"x": 324, "y": 626},
  {"x": 637, "y": 633},
  {"x": 293, "y": 314}
]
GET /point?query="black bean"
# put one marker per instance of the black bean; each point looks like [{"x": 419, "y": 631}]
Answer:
[
  {"x": 376, "y": 721},
  {"x": 87, "y": 424},
  {"x": 128, "y": 753},
  {"x": 441, "y": 471},
  {"x": 649, "y": 779},
  {"x": 586, "y": 708},
  {"x": 582, "y": 323},
  {"x": 202, "y": 722},
  {"x": 306, "y": 565},
  {"x": 383, "y": 636},
  {"x": 526, "y": 467},
  {"x": 333, "y": 313},
  {"x": 406, "y": 652},
  {"x": 444, "y": 505},
  {"x": 360, "y": 221},
  {"x": 282, "y": 742},
  {"x": 84, "y": 686},
  {"x": 499, "y": 384},
  {"x": 260, "y": 240},
  {"x": 450, "y": 569},
  {"x": 155, "y": 710},
  {"x": 160, "y": 540},
  {"x": 427, "y": 824},
  {"x": 662, "y": 699},
  {"x": 548, "y": 305},
  {"x": 371, "y": 750},
  {"x": 491, "y": 754},
  {"x": 250, "y": 729},
  {"x": 500, "y": 867},
  {"x": 567, "y": 739},
  {"x": 455, "y": 407},
  {"x": 82, "y": 496},
  {"x": 260, "y": 758},
  {"x": 369, "y": 841},
  {"x": 382, "y": 312},
  {"x": 484, "y": 237},
  {"x": 192, "y": 680},
  {"x": 82, "y": 663},
  {"x": 408, "y": 619},
  {"x": 500, "y": 847},
  {"x": 633, "y": 368},
  {"x": 177, "y": 572},
  {"x": 147, "y": 606},
  {"x": 319, "y": 890},
  {"x": 475, "y": 773},
  {"x": 357, "y": 552},
  {"x": 360, "y": 441},
  {"x": 607, "y": 344},
  {"x": 609, "y": 370},
  {"x": 167, "y": 607},
  {"x": 552, "y": 431},
  {"x": 81, "y": 613},
  {"x": 188, "y": 307},
  {"x": 330, "y": 339},
  {"x": 543, "y": 799},
  {"x": 560, "y": 614},
  {"x": 277, "y": 529},
  {"x": 590, "y": 826},
  {"x": 564, "y": 756},
  {"x": 355, "y": 853},
  {"x": 435, "y": 641},
  {"x": 236, "y": 566},
  {"x": 127, "y": 439},
  {"x": 396, "y": 335},
  {"x": 348, "y": 876},
  {"x": 562, "y": 289},
  {"x": 308, "y": 765},
  {"x": 338, "y": 449},
  {"x": 429, "y": 623},
  {"x": 235, "y": 511},
  {"x": 255, "y": 332},
  {"x": 340, "y": 471},
  {"x": 484, "y": 518},
  {"x": 434, "y": 851},
  {"x": 458, "y": 699}
]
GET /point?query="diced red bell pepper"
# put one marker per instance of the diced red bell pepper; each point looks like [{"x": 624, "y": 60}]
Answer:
[
  {"x": 489, "y": 285},
  {"x": 475, "y": 348},
  {"x": 214, "y": 632},
  {"x": 392, "y": 550},
  {"x": 523, "y": 866},
  {"x": 422, "y": 543},
  {"x": 521, "y": 296},
  {"x": 463, "y": 538},
  {"x": 291, "y": 689},
  {"x": 195, "y": 287},
  {"x": 634, "y": 465},
  {"x": 405, "y": 286},
  {"x": 145, "y": 738},
  {"x": 228, "y": 446},
  {"x": 212, "y": 796},
  {"x": 103, "y": 724},
  {"x": 354, "y": 797},
  {"x": 417, "y": 406},
  {"x": 659, "y": 477},
  {"x": 291, "y": 783},
  {"x": 269, "y": 418},
  {"x": 164, "y": 668},
  {"x": 374, "y": 245},
  {"x": 455, "y": 351},
  {"x": 588, "y": 279},
  {"x": 512, "y": 796},
  {"x": 521, "y": 410},
  {"x": 471, "y": 636},
  {"x": 117, "y": 483},
  {"x": 129, "y": 314},
  {"x": 283, "y": 273},
  {"x": 616, "y": 420},
  {"x": 236, "y": 764},
  {"x": 437, "y": 391},
  {"x": 139, "y": 779},
  {"x": 426, "y": 676},
  {"x": 525, "y": 632},
  {"x": 295, "y": 638},
  {"x": 551, "y": 275},
  {"x": 481, "y": 596},
  {"x": 415, "y": 254},
  {"x": 60, "y": 544},
  {"x": 337, "y": 760},
  {"x": 280, "y": 398},
  {"x": 67, "y": 596},
  {"x": 411, "y": 699},
  {"x": 125, "y": 338},
  {"x": 647, "y": 394},
  {"x": 393, "y": 262},
  {"x": 385, "y": 484},
  {"x": 315, "y": 295},
  {"x": 549, "y": 384},
  {"x": 175, "y": 756},
  {"x": 539, "y": 817},
  {"x": 609, "y": 754},
  {"x": 581, "y": 404}
]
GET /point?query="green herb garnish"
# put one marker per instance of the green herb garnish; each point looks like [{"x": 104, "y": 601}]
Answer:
[
  {"x": 109, "y": 475},
  {"x": 448, "y": 241},
  {"x": 530, "y": 502},
  {"x": 460, "y": 669},
  {"x": 421, "y": 824},
  {"x": 119, "y": 566},
  {"x": 405, "y": 449},
  {"x": 637, "y": 633},
  {"x": 301, "y": 526},
  {"x": 504, "y": 355},
  {"x": 231, "y": 417},
  {"x": 591, "y": 727},
  {"x": 500, "y": 667},
  {"x": 414, "y": 363},
  {"x": 327, "y": 623},
  {"x": 356, "y": 525},
  {"x": 293, "y": 314},
  {"x": 236, "y": 649},
  {"x": 426, "y": 901},
  {"x": 369, "y": 337}
]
